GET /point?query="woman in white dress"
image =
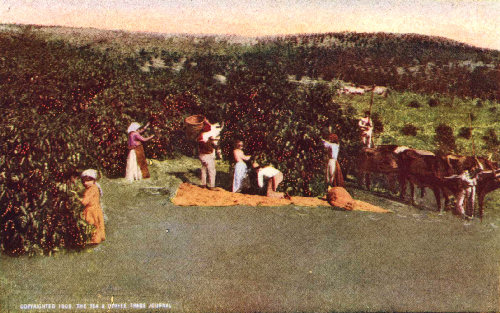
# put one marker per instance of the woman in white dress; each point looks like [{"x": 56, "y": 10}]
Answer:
[
  {"x": 137, "y": 167},
  {"x": 240, "y": 167}
]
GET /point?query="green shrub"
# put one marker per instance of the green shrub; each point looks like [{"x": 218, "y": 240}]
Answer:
[
  {"x": 445, "y": 140},
  {"x": 465, "y": 132},
  {"x": 409, "y": 130},
  {"x": 492, "y": 143},
  {"x": 414, "y": 104},
  {"x": 39, "y": 212},
  {"x": 433, "y": 102},
  {"x": 378, "y": 125}
]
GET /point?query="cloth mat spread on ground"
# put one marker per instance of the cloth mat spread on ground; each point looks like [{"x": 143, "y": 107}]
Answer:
[{"x": 191, "y": 195}]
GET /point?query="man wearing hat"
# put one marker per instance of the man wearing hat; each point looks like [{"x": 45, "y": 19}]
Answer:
[{"x": 333, "y": 173}]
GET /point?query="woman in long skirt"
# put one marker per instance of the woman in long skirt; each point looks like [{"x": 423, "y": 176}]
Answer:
[{"x": 137, "y": 167}]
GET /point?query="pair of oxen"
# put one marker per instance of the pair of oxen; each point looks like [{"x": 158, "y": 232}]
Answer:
[{"x": 426, "y": 169}]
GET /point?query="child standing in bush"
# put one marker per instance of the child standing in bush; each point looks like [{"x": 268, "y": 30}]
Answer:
[
  {"x": 240, "y": 167},
  {"x": 137, "y": 167},
  {"x": 92, "y": 201}
]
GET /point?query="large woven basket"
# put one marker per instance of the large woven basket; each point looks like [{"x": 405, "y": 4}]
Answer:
[{"x": 193, "y": 125}]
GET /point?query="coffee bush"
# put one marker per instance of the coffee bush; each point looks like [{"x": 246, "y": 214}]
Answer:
[
  {"x": 409, "y": 130},
  {"x": 444, "y": 139}
]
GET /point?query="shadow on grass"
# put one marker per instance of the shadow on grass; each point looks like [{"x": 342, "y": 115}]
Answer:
[
  {"x": 183, "y": 176},
  {"x": 384, "y": 193},
  {"x": 222, "y": 179}
]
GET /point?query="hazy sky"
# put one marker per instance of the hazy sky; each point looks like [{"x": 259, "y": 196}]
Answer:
[{"x": 475, "y": 22}]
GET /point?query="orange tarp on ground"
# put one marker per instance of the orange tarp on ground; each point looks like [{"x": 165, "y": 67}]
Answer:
[{"x": 191, "y": 195}]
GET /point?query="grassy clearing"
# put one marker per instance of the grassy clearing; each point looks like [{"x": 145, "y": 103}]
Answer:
[
  {"x": 396, "y": 114},
  {"x": 200, "y": 259}
]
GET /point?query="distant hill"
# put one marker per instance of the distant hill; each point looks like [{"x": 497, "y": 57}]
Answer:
[{"x": 401, "y": 61}]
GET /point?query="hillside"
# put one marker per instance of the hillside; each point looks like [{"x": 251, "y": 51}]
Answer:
[
  {"x": 403, "y": 62},
  {"x": 432, "y": 65}
]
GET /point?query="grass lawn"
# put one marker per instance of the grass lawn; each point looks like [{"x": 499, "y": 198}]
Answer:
[{"x": 234, "y": 259}]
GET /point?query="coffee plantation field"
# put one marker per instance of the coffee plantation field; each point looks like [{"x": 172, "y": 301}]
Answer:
[{"x": 67, "y": 105}]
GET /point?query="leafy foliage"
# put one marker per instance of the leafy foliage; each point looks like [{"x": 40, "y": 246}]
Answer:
[
  {"x": 38, "y": 213},
  {"x": 433, "y": 102},
  {"x": 378, "y": 125},
  {"x": 414, "y": 104},
  {"x": 409, "y": 130},
  {"x": 465, "y": 132},
  {"x": 492, "y": 143},
  {"x": 445, "y": 140}
]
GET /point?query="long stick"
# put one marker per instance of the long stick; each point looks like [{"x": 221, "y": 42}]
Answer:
[
  {"x": 371, "y": 103},
  {"x": 370, "y": 116},
  {"x": 471, "y": 136}
]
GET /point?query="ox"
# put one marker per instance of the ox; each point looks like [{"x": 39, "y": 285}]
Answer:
[
  {"x": 382, "y": 160},
  {"x": 425, "y": 169},
  {"x": 488, "y": 181},
  {"x": 484, "y": 181},
  {"x": 485, "y": 176}
]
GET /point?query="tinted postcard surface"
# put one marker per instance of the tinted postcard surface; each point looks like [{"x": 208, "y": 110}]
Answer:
[{"x": 241, "y": 156}]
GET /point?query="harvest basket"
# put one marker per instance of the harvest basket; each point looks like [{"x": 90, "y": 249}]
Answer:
[{"x": 193, "y": 125}]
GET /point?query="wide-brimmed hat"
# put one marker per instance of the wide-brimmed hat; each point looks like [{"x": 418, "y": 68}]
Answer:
[
  {"x": 89, "y": 173},
  {"x": 133, "y": 127}
]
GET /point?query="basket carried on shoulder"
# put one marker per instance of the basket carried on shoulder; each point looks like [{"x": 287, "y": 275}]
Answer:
[{"x": 193, "y": 125}]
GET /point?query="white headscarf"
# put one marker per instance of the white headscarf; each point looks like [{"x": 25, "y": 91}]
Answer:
[
  {"x": 133, "y": 127},
  {"x": 92, "y": 174}
]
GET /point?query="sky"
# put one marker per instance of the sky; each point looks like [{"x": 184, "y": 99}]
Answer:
[{"x": 476, "y": 22}]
